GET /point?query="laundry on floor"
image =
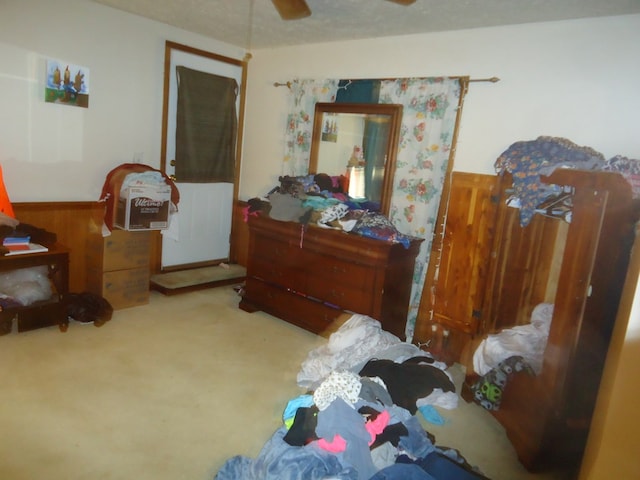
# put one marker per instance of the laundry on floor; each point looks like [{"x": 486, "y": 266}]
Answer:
[{"x": 358, "y": 418}]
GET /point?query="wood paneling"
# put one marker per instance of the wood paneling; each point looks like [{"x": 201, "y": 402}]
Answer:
[
  {"x": 452, "y": 299},
  {"x": 77, "y": 223},
  {"x": 525, "y": 265},
  {"x": 74, "y": 223},
  {"x": 239, "y": 235}
]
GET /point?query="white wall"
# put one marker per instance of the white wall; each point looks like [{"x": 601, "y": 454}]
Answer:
[
  {"x": 576, "y": 79},
  {"x": 573, "y": 79},
  {"x": 52, "y": 152}
]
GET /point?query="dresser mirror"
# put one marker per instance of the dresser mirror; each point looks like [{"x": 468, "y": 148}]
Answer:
[{"x": 360, "y": 142}]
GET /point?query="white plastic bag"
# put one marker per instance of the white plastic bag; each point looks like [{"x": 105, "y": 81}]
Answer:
[
  {"x": 528, "y": 341},
  {"x": 26, "y": 285}
]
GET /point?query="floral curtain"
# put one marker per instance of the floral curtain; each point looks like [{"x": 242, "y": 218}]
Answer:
[
  {"x": 303, "y": 96},
  {"x": 430, "y": 108}
]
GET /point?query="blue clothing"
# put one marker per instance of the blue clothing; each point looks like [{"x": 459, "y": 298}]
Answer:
[
  {"x": 339, "y": 418},
  {"x": 294, "y": 404},
  {"x": 280, "y": 461},
  {"x": 402, "y": 471}
]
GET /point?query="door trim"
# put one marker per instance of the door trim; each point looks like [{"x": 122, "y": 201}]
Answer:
[{"x": 156, "y": 263}]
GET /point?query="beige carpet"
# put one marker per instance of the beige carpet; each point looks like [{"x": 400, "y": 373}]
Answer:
[{"x": 169, "y": 391}]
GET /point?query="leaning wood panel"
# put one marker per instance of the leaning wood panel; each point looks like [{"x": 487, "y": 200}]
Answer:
[{"x": 454, "y": 287}]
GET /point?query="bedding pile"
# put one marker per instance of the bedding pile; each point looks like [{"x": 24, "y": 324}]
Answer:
[{"x": 357, "y": 419}]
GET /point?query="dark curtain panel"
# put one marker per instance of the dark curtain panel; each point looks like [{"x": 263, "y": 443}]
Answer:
[
  {"x": 206, "y": 127},
  {"x": 374, "y": 149},
  {"x": 358, "y": 91}
]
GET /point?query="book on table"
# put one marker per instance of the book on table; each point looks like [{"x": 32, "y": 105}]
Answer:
[
  {"x": 21, "y": 249},
  {"x": 14, "y": 239}
]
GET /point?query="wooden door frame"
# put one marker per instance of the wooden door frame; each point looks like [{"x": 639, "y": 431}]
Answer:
[{"x": 156, "y": 262}]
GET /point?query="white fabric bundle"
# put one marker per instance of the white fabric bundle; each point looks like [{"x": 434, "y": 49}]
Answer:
[{"x": 528, "y": 341}]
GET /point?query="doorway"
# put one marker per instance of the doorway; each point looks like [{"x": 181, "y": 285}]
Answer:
[{"x": 201, "y": 234}]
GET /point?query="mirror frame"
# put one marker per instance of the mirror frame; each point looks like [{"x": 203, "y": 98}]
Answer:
[{"x": 393, "y": 110}]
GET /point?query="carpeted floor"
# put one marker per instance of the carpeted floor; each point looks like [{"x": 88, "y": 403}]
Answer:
[{"x": 172, "y": 389}]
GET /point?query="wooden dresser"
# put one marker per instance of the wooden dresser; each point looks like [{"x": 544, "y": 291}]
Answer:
[{"x": 309, "y": 275}]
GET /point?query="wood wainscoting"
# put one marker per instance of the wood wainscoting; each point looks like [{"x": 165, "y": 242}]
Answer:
[
  {"x": 239, "y": 234},
  {"x": 76, "y": 223}
]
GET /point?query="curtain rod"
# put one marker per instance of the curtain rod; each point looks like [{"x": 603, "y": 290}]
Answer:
[{"x": 491, "y": 80}]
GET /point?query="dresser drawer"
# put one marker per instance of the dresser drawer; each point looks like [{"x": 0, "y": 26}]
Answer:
[
  {"x": 273, "y": 272},
  {"x": 341, "y": 295},
  {"x": 308, "y": 275},
  {"x": 297, "y": 309},
  {"x": 347, "y": 285},
  {"x": 275, "y": 251},
  {"x": 274, "y": 261}
]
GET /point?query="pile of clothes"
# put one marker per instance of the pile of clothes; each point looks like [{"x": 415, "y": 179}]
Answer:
[
  {"x": 528, "y": 161},
  {"x": 319, "y": 199},
  {"x": 357, "y": 420}
]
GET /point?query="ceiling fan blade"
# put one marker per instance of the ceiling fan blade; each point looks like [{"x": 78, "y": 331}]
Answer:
[
  {"x": 292, "y": 9},
  {"x": 403, "y": 2}
]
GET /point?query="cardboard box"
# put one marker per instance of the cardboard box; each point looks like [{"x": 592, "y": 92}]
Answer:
[
  {"x": 144, "y": 207},
  {"x": 120, "y": 250},
  {"x": 122, "y": 288}
]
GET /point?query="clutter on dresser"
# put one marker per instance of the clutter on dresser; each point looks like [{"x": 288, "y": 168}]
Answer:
[{"x": 315, "y": 252}]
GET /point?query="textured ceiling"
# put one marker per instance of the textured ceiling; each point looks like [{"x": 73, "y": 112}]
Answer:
[{"x": 333, "y": 20}]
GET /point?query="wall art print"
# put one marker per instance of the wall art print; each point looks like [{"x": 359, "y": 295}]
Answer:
[{"x": 67, "y": 84}]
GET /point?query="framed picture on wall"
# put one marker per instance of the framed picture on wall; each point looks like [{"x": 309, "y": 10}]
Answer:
[
  {"x": 330, "y": 128},
  {"x": 67, "y": 84}
]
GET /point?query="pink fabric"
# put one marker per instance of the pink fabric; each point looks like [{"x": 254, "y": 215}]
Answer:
[
  {"x": 374, "y": 427},
  {"x": 377, "y": 426},
  {"x": 337, "y": 445}
]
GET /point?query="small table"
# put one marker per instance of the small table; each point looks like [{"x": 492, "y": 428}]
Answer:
[{"x": 47, "y": 312}]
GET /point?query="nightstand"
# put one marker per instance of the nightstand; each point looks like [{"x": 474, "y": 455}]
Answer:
[{"x": 46, "y": 312}]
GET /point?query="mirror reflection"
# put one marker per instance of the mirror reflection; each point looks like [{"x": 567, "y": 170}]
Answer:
[{"x": 360, "y": 142}]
